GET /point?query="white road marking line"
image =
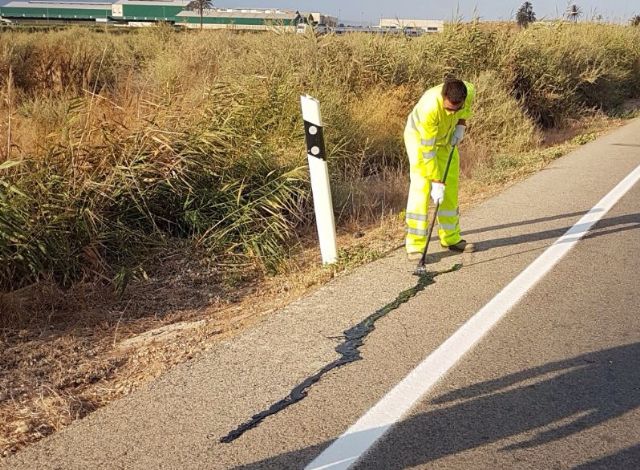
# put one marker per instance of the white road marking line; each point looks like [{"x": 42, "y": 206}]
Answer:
[{"x": 359, "y": 438}]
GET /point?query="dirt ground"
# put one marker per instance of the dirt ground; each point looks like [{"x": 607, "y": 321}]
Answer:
[{"x": 64, "y": 354}]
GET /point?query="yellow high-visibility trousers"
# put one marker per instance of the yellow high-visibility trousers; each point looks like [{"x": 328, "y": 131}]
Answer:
[{"x": 418, "y": 201}]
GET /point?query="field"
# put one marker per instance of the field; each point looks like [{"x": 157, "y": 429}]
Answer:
[{"x": 157, "y": 177}]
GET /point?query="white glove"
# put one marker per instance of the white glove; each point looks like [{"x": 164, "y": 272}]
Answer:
[
  {"x": 458, "y": 135},
  {"x": 437, "y": 192}
]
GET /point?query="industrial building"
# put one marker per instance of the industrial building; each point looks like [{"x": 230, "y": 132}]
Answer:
[
  {"x": 428, "y": 26},
  {"x": 183, "y": 13},
  {"x": 41, "y": 10},
  {"x": 119, "y": 12},
  {"x": 253, "y": 19},
  {"x": 315, "y": 18},
  {"x": 147, "y": 12}
]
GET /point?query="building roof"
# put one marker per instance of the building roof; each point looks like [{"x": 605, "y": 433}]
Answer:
[
  {"x": 415, "y": 22},
  {"x": 52, "y": 5},
  {"x": 154, "y": 3},
  {"x": 245, "y": 13}
]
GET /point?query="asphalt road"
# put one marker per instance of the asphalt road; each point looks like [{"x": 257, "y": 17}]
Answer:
[{"x": 556, "y": 384}]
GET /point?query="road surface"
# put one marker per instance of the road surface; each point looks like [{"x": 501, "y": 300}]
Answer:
[{"x": 554, "y": 384}]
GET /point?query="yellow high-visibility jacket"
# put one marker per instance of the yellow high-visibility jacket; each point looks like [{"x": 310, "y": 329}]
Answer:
[{"x": 432, "y": 126}]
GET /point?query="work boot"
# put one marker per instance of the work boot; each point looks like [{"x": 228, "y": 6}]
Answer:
[
  {"x": 462, "y": 247},
  {"x": 414, "y": 256}
]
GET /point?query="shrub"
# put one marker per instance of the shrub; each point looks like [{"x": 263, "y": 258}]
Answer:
[{"x": 121, "y": 144}]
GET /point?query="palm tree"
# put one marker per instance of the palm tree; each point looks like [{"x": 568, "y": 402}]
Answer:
[
  {"x": 200, "y": 6},
  {"x": 525, "y": 15},
  {"x": 573, "y": 12}
]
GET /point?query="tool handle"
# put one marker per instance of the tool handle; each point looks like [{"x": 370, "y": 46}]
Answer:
[
  {"x": 446, "y": 170},
  {"x": 423, "y": 259}
]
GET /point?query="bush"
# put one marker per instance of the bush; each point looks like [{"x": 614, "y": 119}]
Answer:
[
  {"x": 558, "y": 71},
  {"x": 125, "y": 143}
]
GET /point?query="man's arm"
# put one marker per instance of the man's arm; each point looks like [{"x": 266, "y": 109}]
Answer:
[
  {"x": 428, "y": 128},
  {"x": 467, "y": 112}
]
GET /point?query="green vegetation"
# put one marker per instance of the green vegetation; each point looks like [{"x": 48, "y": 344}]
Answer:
[
  {"x": 200, "y": 6},
  {"x": 525, "y": 15},
  {"x": 573, "y": 13},
  {"x": 115, "y": 147}
]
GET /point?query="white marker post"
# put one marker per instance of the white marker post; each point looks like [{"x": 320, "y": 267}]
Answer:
[{"x": 319, "y": 173}]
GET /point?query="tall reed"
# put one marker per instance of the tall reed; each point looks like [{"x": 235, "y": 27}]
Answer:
[{"x": 119, "y": 145}]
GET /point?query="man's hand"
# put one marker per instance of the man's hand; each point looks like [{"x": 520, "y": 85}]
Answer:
[
  {"x": 437, "y": 192},
  {"x": 458, "y": 135}
]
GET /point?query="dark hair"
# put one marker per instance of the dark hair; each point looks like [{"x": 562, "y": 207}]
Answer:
[{"x": 454, "y": 90}]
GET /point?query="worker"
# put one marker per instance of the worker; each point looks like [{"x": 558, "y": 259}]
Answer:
[{"x": 435, "y": 126}]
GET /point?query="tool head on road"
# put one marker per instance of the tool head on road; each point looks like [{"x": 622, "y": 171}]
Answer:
[{"x": 420, "y": 271}]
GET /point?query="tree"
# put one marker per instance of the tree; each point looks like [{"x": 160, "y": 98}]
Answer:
[
  {"x": 573, "y": 12},
  {"x": 525, "y": 15},
  {"x": 200, "y": 6},
  {"x": 635, "y": 20}
]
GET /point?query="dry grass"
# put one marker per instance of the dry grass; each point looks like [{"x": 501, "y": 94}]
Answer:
[{"x": 116, "y": 142}]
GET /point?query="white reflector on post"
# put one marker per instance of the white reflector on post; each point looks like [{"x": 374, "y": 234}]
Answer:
[{"x": 319, "y": 174}]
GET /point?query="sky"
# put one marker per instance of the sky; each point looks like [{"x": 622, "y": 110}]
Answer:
[{"x": 370, "y": 11}]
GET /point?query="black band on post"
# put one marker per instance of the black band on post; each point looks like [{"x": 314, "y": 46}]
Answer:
[{"x": 314, "y": 137}]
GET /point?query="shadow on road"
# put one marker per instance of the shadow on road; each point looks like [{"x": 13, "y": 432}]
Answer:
[
  {"x": 626, "y": 145},
  {"x": 526, "y": 222},
  {"x": 625, "y": 459},
  {"x": 535, "y": 406},
  {"x": 614, "y": 224}
]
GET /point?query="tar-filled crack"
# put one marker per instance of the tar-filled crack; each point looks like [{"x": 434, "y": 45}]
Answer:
[{"x": 349, "y": 351}]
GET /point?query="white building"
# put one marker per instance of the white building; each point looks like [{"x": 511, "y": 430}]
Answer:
[
  {"x": 321, "y": 18},
  {"x": 428, "y": 26}
]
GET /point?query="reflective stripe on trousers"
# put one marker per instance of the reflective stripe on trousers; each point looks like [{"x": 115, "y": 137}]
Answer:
[{"x": 418, "y": 201}]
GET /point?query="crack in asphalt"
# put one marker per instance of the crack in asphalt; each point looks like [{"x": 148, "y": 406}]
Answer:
[{"x": 349, "y": 351}]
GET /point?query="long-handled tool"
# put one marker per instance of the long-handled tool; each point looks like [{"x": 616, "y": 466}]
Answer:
[{"x": 421, "y": 270}]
